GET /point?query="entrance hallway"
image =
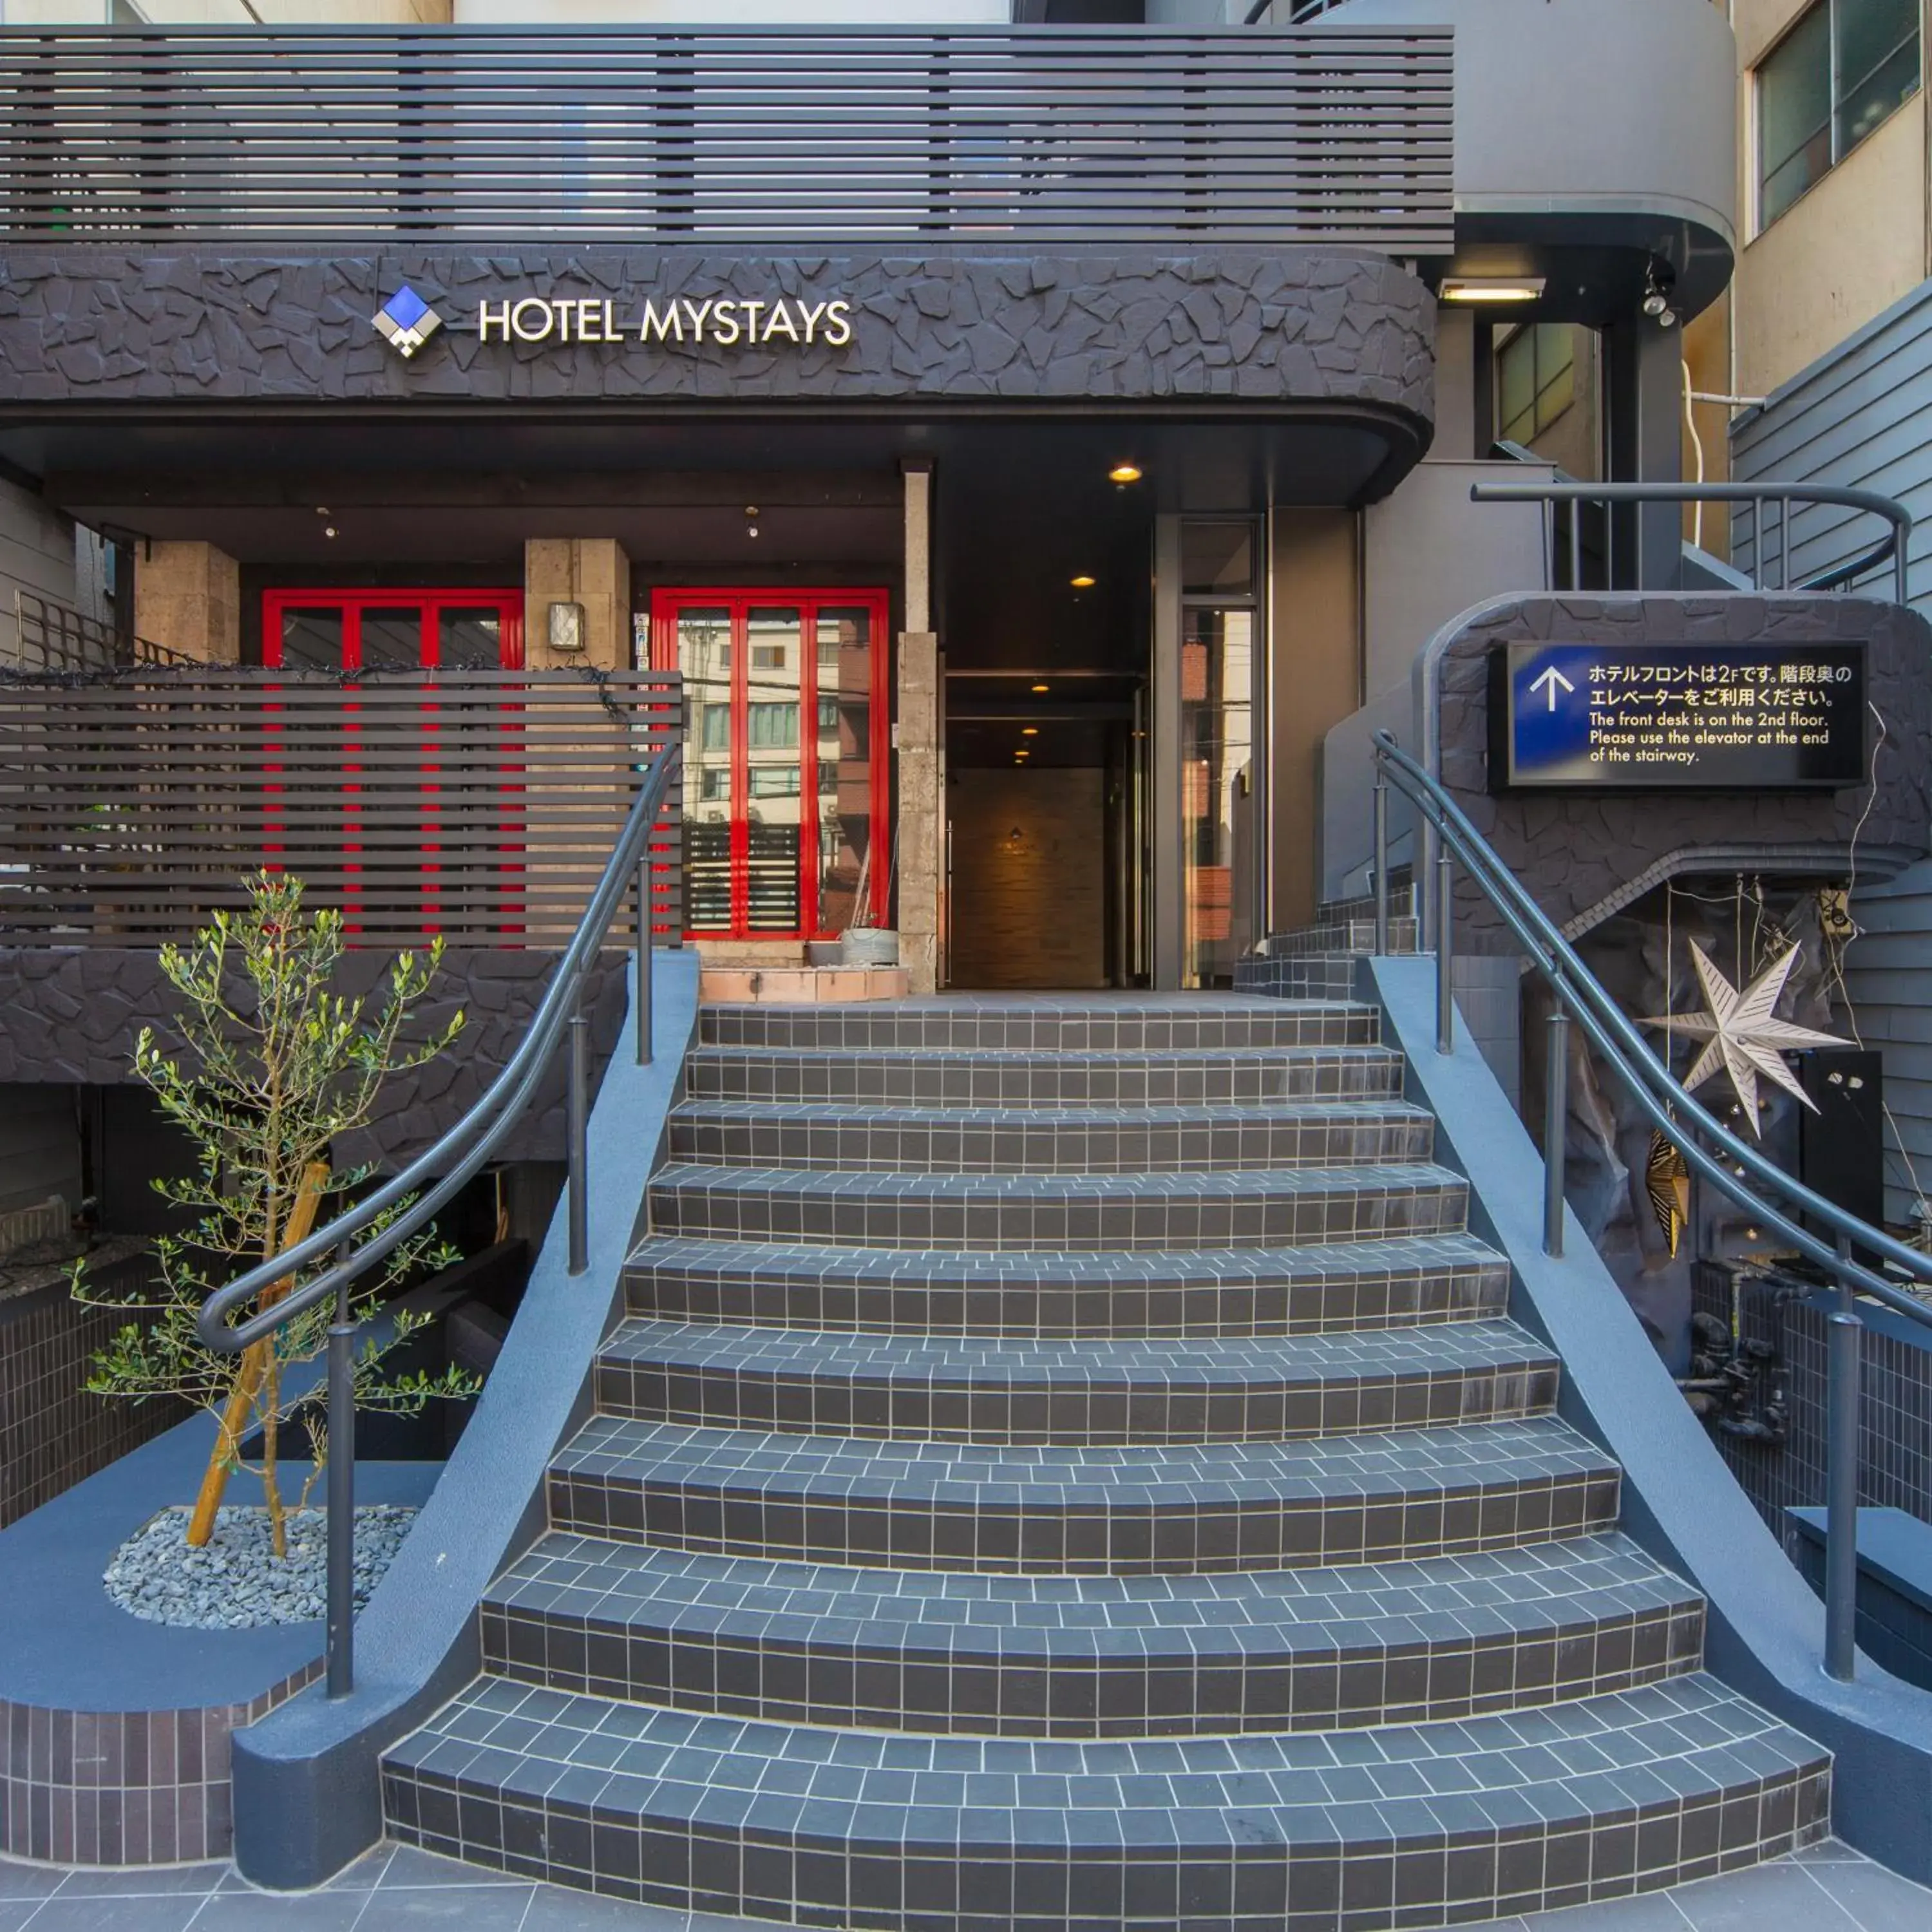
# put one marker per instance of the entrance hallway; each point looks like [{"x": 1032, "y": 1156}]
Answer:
[{"x": 1068, "y": 1462}]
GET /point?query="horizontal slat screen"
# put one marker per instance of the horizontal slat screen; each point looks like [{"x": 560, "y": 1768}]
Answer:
[
  {"x": 480, "y": 805},
  {"x": 758, "y": 136}
]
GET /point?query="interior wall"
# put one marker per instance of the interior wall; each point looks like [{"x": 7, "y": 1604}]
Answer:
[
  {"x": 1029, "y": 883},
  {"x": 1314, "y": 680}
]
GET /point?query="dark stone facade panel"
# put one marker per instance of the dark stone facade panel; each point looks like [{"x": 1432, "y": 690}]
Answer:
[
  {"x": 1582, "y": 853},
  {"x": 1289, "y": 325},
  {"x": 72, "y": 1014}
]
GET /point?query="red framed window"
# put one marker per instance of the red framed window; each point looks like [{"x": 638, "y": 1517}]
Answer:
[
  {"x": 393, "y": 629},
  {"x": 379, "y": 839},
  {"x": 787, "y": 817}
]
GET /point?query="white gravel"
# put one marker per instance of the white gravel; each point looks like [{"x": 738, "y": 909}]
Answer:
[{"x": 235, "y": 1582}]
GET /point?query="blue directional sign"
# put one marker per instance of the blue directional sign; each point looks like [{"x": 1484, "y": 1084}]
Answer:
[{"x": 1680, "y": 717}]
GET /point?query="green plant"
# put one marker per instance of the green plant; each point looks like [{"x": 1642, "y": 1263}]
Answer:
[{"x": 278, "y": 1069}]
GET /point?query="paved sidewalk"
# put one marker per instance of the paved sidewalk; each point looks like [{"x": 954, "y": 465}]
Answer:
[{"x": 1828, "y": 1887}]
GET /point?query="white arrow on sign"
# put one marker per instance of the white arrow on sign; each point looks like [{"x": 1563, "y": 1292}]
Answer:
[{"x": 1549, "y": 681}]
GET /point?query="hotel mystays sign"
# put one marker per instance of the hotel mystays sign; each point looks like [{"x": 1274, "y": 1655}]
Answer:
[{"x": 726, "y": 320}]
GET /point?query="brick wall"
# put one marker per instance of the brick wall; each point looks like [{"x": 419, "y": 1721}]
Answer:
[{"x": 1029, "y": 878}]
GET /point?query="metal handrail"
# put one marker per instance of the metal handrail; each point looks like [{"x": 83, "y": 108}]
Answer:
[
  {"x": 441, "y": 1172},
  {"x": 1671, "y": 1110},
  {"x": 1893, "y": 545}
]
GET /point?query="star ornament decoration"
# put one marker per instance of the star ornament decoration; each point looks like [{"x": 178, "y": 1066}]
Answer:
[{"x": 1741, "y": 1032}]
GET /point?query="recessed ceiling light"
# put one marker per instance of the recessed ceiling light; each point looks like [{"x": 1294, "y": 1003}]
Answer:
[
  {"x": 1029, "y": 731},
  {"x": 1124, "y": 473},
  {"x": 1039, "y": 687},
  {"x": 1083, "y": 582},
  {"x": 1491, "y": 288}
]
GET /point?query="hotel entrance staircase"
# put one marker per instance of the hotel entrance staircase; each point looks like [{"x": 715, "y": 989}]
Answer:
[{"x": 1066, "y": 1465}]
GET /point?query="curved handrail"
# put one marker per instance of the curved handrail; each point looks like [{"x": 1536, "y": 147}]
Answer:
[
  {"x": 1664, "y": 1101},
  {"x": 461, "y": 1152},
  {"x": 1893, "y": 546}
]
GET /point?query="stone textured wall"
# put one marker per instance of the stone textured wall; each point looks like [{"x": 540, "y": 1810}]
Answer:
[
  {"x": 1584, "y": 855},
  {"x": 72, "y": 1015},
  {"x": 104, "y": 324}
]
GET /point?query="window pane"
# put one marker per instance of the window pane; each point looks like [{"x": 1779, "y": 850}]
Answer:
[
  {"x": 392, "y": 640},
  {"x": 1515, "y": 387},
  {"x": 312, "y": 640},
  {"x": 1217, "y": 559},
  {"x": 470, "y": 640},
  {"x": 1794, "y": 109},
  {"x": 716, "y": 735},
  {"x": 844, "y": 768},
  {"x": 775, "y": 814},
  {"x": 1217, "y": 803},
  {"x": 774, "y": 727},
  {"x": 1878, "y": 63}
]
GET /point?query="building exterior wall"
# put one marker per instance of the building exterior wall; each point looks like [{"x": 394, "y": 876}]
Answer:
[{"x": 1889, "y": 994}]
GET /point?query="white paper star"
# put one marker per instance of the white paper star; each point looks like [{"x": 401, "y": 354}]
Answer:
[{"x": 1741, "y": 1032}]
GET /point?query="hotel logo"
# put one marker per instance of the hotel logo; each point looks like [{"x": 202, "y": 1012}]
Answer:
[{"x": 407, "y": 321}]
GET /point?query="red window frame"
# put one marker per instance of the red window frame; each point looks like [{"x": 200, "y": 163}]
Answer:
[
  {"x": 433, "y": 600},
  {"x": 665, "y": 605}
]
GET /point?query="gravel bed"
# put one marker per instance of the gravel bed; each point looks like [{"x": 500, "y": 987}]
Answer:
[{"x": 236, "y": 1582}]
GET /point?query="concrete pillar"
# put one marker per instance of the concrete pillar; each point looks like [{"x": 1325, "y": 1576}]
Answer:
[
  {"x": 188, "y": 598},
  {"x": 921, "y": 806},
  {"x": 593, "y": 571}
]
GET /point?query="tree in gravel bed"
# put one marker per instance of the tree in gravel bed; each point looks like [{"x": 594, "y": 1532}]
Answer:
[{"x": 279, "y": 1069}]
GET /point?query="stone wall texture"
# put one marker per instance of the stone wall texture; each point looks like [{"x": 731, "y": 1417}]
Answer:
[
  {"x": 1291, "y": 326},
  {"x": 1584, "y": 855},
  {"x": 72, "y": 1014}
]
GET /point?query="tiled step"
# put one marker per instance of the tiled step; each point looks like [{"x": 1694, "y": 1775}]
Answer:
[
  {"x": 1632, "y": 1790},
  {"x": 1097, "y": 1656},
  {"x": 1233, "y": 1292},
  {"x": 1190, "y": 1023},
  {"x": 954, "y": 1078},
  {"x": 1234, "y": 1208},
  {"x": 899, "y": 1387},
  {"x": 1355, "y": 934},
  {"x": 1046, "y": 1140},
  {"x": 1316, "y": 976},
  {"x": 1113, "y": 1511},
  {"x": 1362, "y": 905}
]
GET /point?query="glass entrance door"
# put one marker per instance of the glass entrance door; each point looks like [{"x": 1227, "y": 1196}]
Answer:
[{"x": 786, "y": 757}]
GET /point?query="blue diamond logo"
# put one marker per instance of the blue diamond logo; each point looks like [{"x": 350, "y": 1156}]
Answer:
[{"x": 405, "y": 321}]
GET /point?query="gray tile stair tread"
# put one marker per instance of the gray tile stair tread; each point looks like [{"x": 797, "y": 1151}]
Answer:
[
  {"x": 1392, "y": 1176},
  {"x": 992, "y": 1058},
  {"x": 1444, "y": 1350},
  {"x": 1659, "y": 1744},
  {"x": 1405, "y": 1254},
  {"x": 1361, "y": 1608},
  {"x": 891, "y": 1113},
  {"x": 1465, "y": 1458}
]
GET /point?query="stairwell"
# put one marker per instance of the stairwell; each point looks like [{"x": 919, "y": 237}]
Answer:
[{"x": 1066, "y": 1465}]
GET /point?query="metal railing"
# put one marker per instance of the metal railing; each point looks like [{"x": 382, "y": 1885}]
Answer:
[
  {"x": 54, "y": 640},
  {"x": 1736, "y": 1169},
  {"x": 1891, "y": 548},
  {"x": 973, "y": 136},
  {"x": 436, "y": 1177}
]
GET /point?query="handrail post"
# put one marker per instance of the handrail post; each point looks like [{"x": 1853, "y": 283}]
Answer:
[
  {"x": 1445, "y": 948},
  {"x": 1556, "y": 1131},
  {"x": 577, "y": 1128},
  {"x": 339, "y": 1626},
  {"x": 1381, "y": 861},
  {"x": 644, "y": 972},
  {"x": 1844, "y": 1333}
]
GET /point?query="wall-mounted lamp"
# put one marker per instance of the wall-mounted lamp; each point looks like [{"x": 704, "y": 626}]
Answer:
[
  {"x": 1656, "y": 279},
  {"x": 566, "y": 627},
  {"x": 1490, "y": 288}
]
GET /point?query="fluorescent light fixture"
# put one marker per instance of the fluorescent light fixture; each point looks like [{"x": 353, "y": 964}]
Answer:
[{"x": 1491, "y": 288}]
